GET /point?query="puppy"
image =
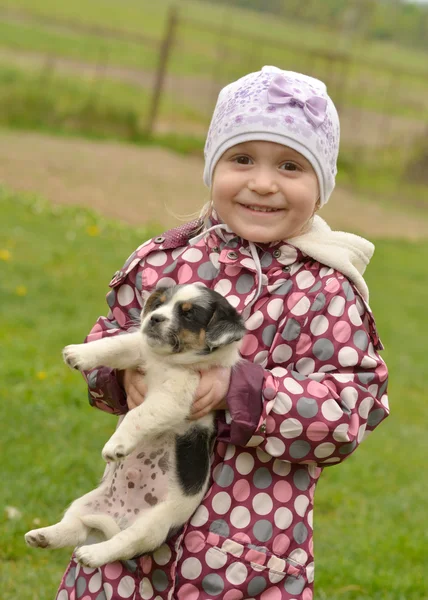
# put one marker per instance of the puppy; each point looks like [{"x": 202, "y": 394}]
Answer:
[{"x": 184, "y": 329}]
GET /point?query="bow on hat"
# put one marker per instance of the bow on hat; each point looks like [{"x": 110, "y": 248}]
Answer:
[{"x": 281, "y": 91}]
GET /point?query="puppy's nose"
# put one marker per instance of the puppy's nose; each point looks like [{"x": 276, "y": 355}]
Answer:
[{"x": 157, "y": 319}]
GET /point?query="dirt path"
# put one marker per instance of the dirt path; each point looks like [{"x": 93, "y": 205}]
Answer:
[{"x": 140, "y": 185}]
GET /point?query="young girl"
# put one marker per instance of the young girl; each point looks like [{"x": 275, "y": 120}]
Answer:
[{"x": 311, "y": 384}]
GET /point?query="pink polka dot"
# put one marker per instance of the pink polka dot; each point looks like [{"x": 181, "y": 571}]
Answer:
[
  {"x": 72, "y": 595},
  {"x": 281, "y": 544},
  {"x": 232, "y": 271},
  {"x": 303, "y": 344},
  {"x": 97, "y": 335},
  {"x": 270, "y": 424},
  {"x": 86, "y": 598},
  {"x": 317, "y": 431},
  {"x": 150, "y": 276},
  {"x": 282, "y": 491},
  {"x": 233, "y": 595},
  {"x": 146, "y": 564},
  {"x": 272, "y": 593},
  {"x": 342, "y": 331},
  {"x": 293, "y": 299},
  {"x": 249, "y": 344},
  {"x": 119, "y": 316},
  {"x": 113, "y": 570},
  {"x": 311, "y": 545},
  {"x": 241, "y": 490},
  {"x": 256, "y": 557},
  {"x": 241, "y": 538},
  {"x": 213, "y": 538},
  {"x": 194, "y": 541},
  {"x": 185, "y": 273},
  {"x": 354, "y": 424},
  {"x": 221, "y": 449},
  {"x": 307, "y": 594},
  {"x": 332, "y": 285},
  {"x": 332, "y": 387},
  {"x": 317, "y": 389},
  {"x": 188, "y": 592}
]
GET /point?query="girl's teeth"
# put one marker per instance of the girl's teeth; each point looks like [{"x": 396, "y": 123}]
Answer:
[{"x": 257, "y": 208}]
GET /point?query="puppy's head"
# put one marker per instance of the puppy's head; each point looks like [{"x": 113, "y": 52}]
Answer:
[{"x": 190, "y": 320}]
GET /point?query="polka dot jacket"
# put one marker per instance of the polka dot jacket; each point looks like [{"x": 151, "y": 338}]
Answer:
[{"x": 310, "y": 388}]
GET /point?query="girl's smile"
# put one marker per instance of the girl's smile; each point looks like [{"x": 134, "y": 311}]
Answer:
[{"x": 264, "y": 191}]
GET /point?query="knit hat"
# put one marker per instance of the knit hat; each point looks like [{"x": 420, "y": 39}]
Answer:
[{"x": 277, "y": 106}]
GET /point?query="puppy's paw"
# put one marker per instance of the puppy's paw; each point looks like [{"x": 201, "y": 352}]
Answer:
[
  {"x": 37, "y": 538},
  {"x": 91, "y": 556},
  {"x": 78, "y": 357},
  {"x": 115, "y": 450}
]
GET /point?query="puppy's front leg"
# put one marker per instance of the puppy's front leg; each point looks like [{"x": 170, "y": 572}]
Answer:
[
  {"x": 118, "y": 352},
  {"x": 159, "y": 413}
]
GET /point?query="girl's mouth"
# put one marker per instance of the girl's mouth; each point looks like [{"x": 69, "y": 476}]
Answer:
[{"x": 260, "y": 209}]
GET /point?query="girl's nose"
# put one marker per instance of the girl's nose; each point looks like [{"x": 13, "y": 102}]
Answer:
[{"x": 263, "y": 183}]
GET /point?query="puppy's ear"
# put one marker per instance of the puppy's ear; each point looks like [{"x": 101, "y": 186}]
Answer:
[
  {"x": 155, "y": 299},
  {"x": 226, "y": 326}
]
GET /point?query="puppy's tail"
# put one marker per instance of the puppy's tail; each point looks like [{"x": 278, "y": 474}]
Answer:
[{"x": 107, "y": 525}]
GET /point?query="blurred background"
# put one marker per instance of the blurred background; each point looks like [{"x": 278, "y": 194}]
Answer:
[
  {"x": 104, "y": 107},
  {"x": 149, "y": 73}
]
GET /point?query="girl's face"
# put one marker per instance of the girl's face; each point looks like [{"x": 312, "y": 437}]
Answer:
[{"x": 264, "y": 191}]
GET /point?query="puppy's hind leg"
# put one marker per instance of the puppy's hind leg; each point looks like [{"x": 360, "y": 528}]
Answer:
[
  {"x": 69, "y": 532},
  {"x": 145, "y": 535}
]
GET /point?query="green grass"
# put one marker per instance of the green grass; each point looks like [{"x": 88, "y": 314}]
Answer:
[
  {"x": 146, "y": 17},
  {"x": 201, "y": 52},
  {"x": 45, "y": 101},
  {"x": 55, "y": 263},
  {"x": 380, "y": 79}
]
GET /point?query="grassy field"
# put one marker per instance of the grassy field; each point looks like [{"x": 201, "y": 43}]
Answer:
[
  {"x": 221, "y": 48},
  {"x": 55, "y": 263},
  {"x": 148, "y": 18}
]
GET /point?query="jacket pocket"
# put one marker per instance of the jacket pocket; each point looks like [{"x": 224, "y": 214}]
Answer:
[
  {"x": 255, "y": 558},
  {"x": 216, "y": 565}
]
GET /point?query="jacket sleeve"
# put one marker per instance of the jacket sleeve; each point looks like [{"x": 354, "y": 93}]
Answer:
[
  {"x": 125, "y": 304},
  {"x": 331, "y": 392}
]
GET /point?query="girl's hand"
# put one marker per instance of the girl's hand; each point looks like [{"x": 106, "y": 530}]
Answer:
[
  {"x": 135, "y": 387},
  {"x": 211, "y": 392}
]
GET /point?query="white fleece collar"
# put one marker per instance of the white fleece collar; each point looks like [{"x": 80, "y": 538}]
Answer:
[{"x": 348, "y": 253}]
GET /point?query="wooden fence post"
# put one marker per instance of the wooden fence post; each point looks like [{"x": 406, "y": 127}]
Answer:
[{"x": 164, "y": 53}]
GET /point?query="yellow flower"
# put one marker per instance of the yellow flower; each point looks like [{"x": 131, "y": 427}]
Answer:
[
  {"x": 41, "y": 375},
  {"x": 5, "y": 255},
  {"x": 93, "y": 230},
  {"x": 21, "y": 290}
]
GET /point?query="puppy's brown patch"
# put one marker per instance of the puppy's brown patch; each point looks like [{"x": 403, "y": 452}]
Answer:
[
  {"x": 158, "y": 295},
  {"x": 186, "y": 306},
  {"x": 192, "y": 339}
]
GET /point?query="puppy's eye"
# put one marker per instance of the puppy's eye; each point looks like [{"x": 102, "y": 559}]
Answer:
[
  {"x": 187, "y": 311},
  {"x": 156, "y": 304}
]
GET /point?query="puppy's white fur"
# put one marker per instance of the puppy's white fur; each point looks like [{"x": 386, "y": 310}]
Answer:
[{"x": 172, "y": 380}]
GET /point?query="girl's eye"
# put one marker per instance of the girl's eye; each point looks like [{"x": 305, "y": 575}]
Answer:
[
  {"x": 242, "y": 160},
  {"x": 290, "y": 166}
]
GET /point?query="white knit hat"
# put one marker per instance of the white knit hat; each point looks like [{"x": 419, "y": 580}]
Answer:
[{"x": 277, "y": 106}]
